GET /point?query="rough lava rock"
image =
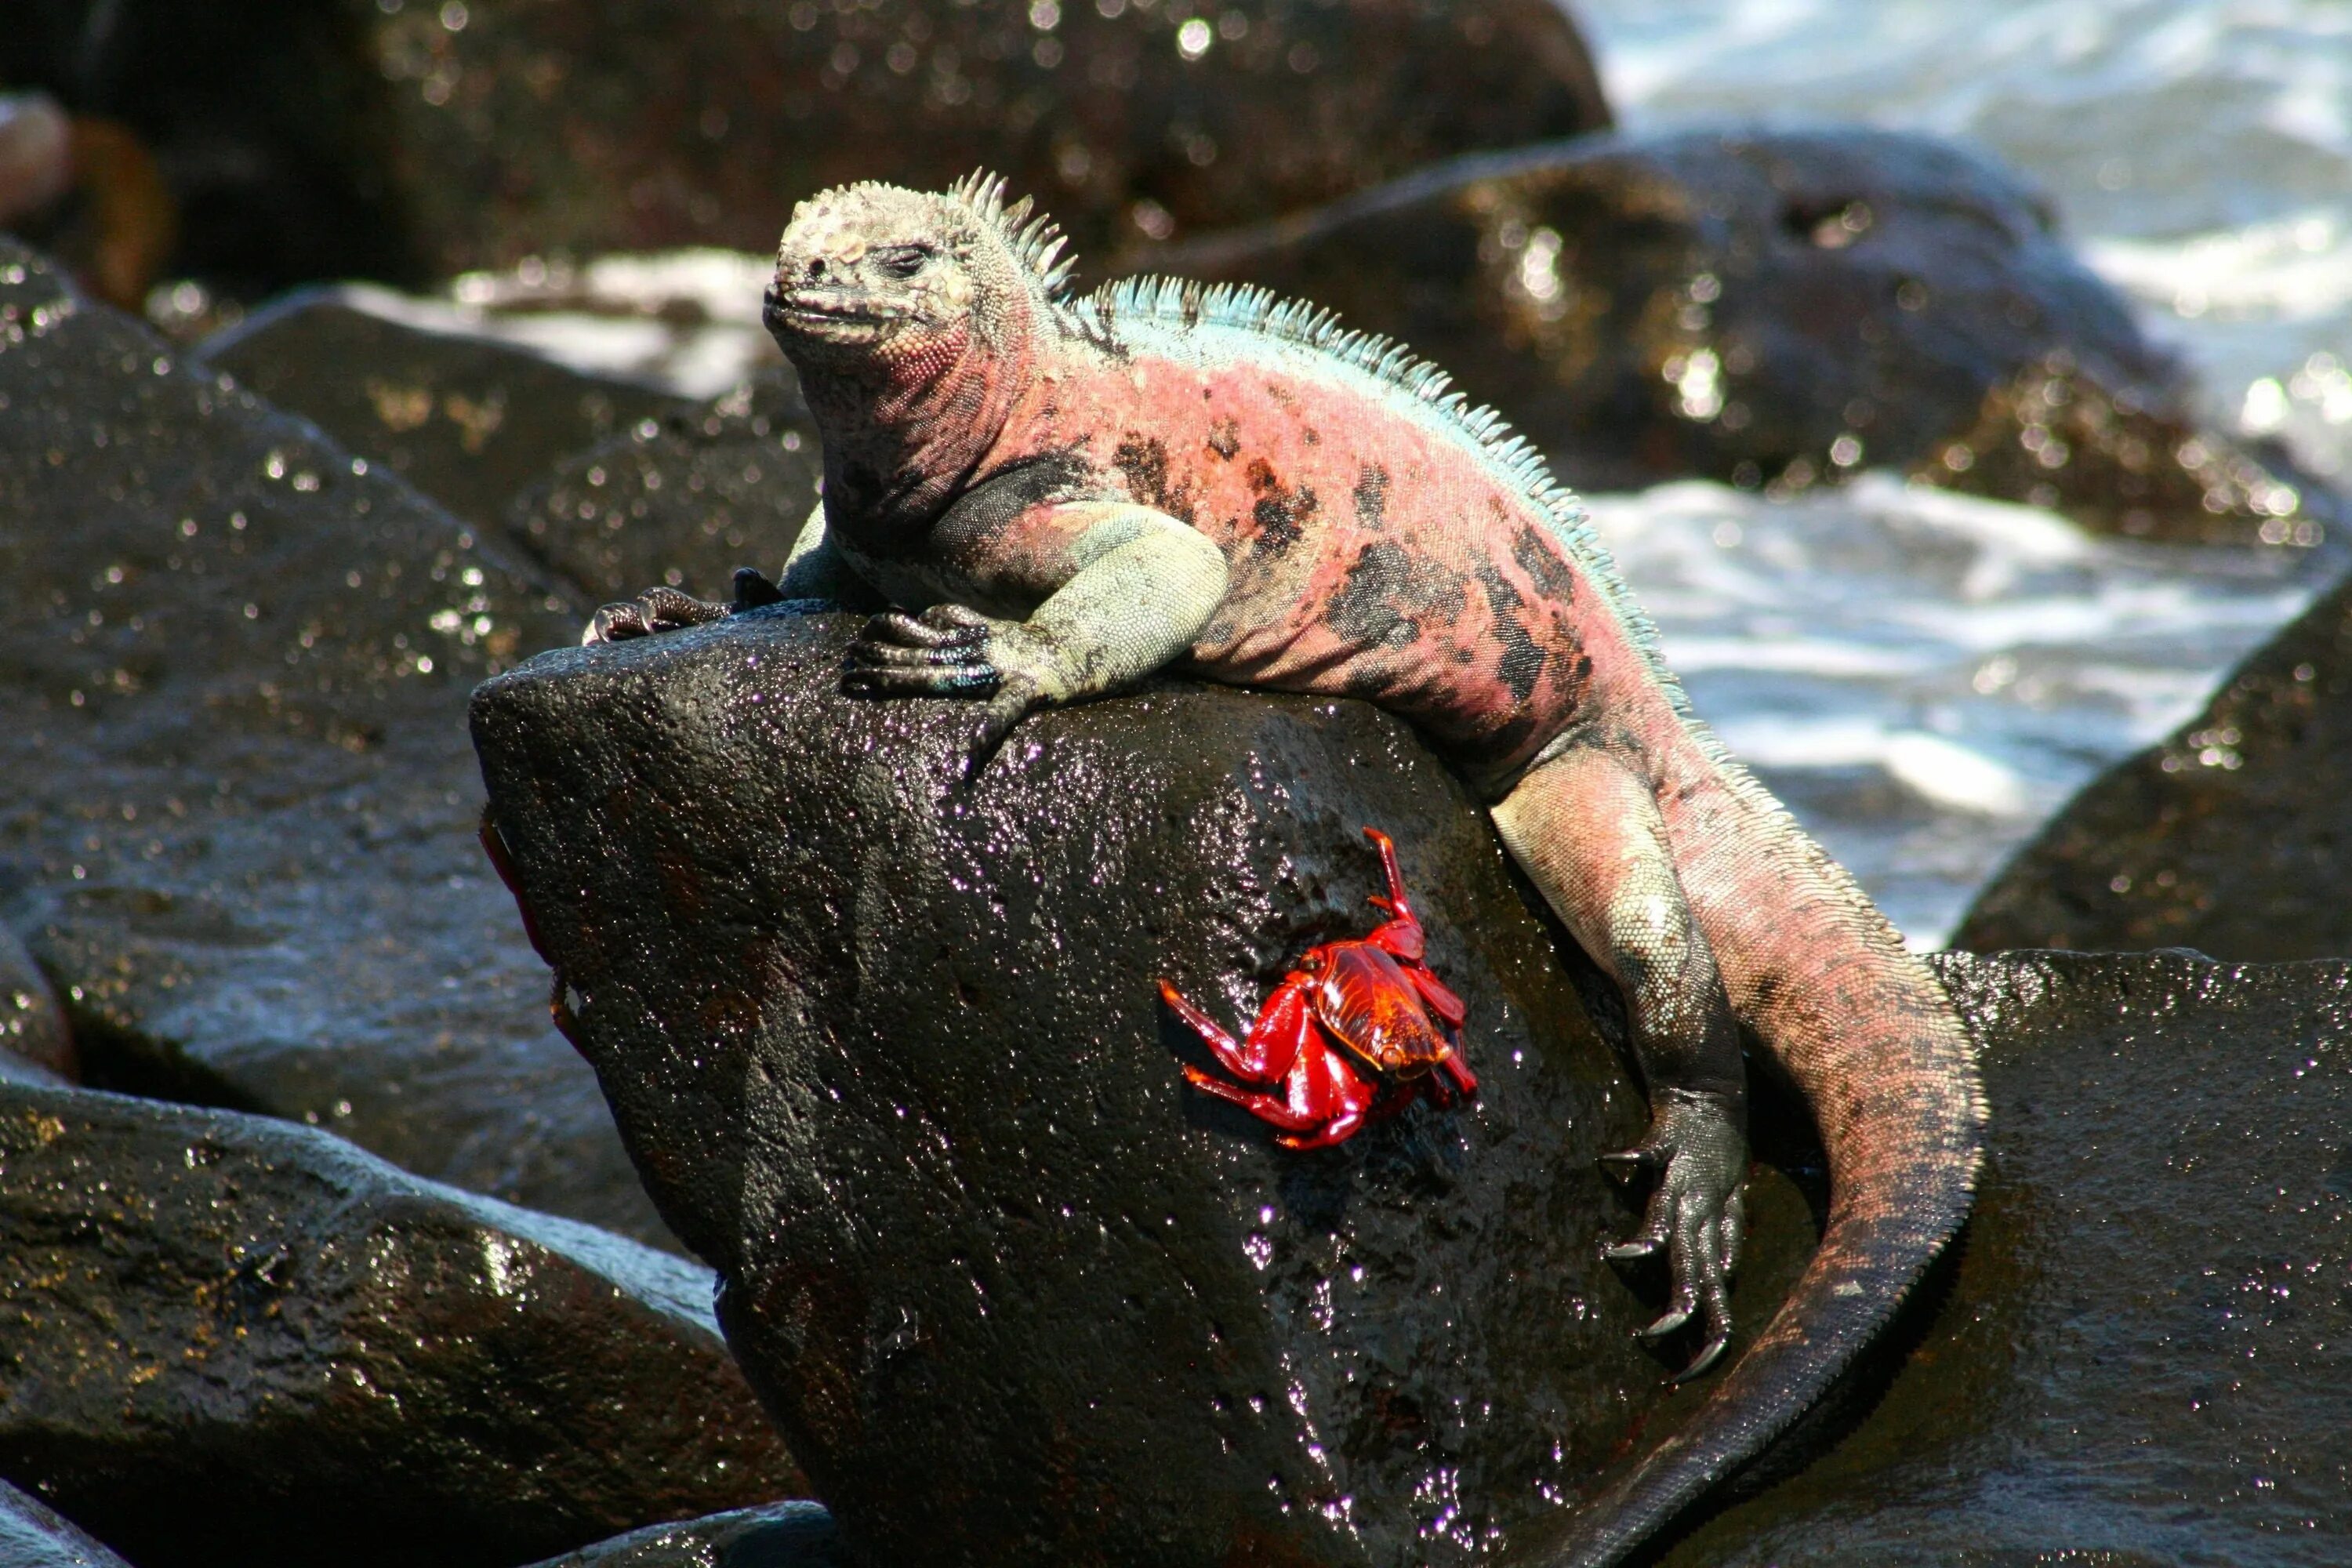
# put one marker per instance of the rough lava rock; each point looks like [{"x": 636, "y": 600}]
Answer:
[
  {"x": 889, "y": 1055},
  {"x": 227, "y": 1340},
  {"x": 2142, "y": 1355},
  {"x": 682, "y": 501},
  {"x": 467, "y": 419},
  {"x": 1781, "y": 309},
  {"x": 2229, "y": 835},
  {"x": 35, "y": 1535},
  {"x": 239, "y": 834},
  {"x": 779, "y": 1535}
]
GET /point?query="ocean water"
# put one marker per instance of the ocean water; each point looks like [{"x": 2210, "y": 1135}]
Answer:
[{"x": 1924, "y": 678}]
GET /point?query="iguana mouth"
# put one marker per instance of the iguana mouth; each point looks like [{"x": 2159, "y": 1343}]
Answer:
[{"x": 828, "y": 308}]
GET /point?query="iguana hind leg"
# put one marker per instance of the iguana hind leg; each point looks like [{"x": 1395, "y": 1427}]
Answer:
[{"x": 1585, "y": 827}]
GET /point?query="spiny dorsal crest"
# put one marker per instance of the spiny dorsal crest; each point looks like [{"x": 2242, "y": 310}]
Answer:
[{"x": 1035, "y": 241}]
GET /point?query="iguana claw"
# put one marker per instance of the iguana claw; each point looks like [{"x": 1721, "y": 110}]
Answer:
[
  {"x": 943, "y": 652},
  {"x": 660, "y": 610},
  {"x": 655, "y": 610},
  {"x": 1697, "y": 1216}
]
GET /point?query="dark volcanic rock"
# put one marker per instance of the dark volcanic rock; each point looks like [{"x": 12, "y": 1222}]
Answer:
[
  {"x": 889, "y": 1055},
  {"x": 1779, "y": 309},
  {"x": 683, "y": 501},
  {"x": 2143, "y": 1354},
  {"x": 586, "y": 126},
  {"x": 2230, "y": 836},
  {"x": 232, "y": 1341},
  {"x": 781, "y": 1535},
  {"x": 405, "y": 137},
  {"x": 371, "y": 137},
  {"x": 469, "y": 421},
  {"x": 34, "y": 1535},
  {"x": 239, "y": 834},
  {"x": 885, "y": 1053}
]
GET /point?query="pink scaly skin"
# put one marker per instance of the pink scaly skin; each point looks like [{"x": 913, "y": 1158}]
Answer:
[
  {"x": 1372, "y": 1000},
  {"x": 1056, "y": 497}
]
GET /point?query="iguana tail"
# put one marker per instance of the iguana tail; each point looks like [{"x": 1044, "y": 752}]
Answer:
[{"x": 1883, "y": 1059}]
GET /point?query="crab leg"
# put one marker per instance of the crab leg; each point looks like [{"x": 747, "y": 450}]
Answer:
[
  {"x": 1438, "y": 994},
  {"x": 1401, "y": 934},
  {"x": 1283, "y": 1112},
  {"x": 1273, "y": 1042},
  {"x": 1340, "y": 1099}
]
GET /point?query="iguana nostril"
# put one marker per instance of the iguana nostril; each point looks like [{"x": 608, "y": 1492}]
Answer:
[{"x": 816, "y": 267}]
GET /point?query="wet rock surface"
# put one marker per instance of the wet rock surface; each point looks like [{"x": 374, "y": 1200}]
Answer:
[
  {"x": 984, "y": 1256},
  {"x": 468, "y": 421},
  {"x": 2142, "y": 1353},
  {"x": 781, "y": 1535},
  {"x": 34, "y": 1535},
  {"x": 890, "y": 1057},
  {"x": 33, "y": 1030},
  {"x": 682, "y": 501},
  {"x": 2229, "y": 835},
  {"x": 1779, "y": 309},
  {"x": 239, "y": 837},
  {"x": 230, "y": 1339}
]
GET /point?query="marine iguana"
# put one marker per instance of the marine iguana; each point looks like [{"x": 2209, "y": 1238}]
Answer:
[{"x": 1063, "y": 495}]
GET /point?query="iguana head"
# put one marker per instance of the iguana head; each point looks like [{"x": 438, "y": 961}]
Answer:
[
  {"x": 914, "y": 321},
  {"x": 907, "y": 283}
]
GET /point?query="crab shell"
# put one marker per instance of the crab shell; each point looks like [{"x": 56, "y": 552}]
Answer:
[{"x": 1373, "y": 1006}]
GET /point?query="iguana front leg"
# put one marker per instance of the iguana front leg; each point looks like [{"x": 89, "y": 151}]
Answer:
[
  {"x": 1119, "y": 590},
  {"x": 1586, "y": 828}
]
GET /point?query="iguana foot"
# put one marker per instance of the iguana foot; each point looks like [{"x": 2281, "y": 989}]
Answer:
[
  {"x": 655, "y": 610},
  {"x": 950, "y": 651},
  {"x": 660, "y": 610},
  {"x": 1698, "y": 1214}
]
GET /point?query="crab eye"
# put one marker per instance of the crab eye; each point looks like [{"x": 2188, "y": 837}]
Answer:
[{"x": 903, "y": 261}]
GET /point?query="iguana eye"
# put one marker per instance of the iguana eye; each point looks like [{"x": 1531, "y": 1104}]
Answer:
[{"x": 902, "y": 260}]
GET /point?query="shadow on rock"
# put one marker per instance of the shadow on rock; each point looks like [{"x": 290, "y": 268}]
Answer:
[
  {"x": 889, "y": 1054},
  {"x": 231, "y": 1341},
  {"x": 240, "y": 828},
  {"x": 1780, "y": 310},
  {"x": 2228, "y": 836}
]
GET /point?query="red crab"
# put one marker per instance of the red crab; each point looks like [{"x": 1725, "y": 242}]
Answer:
[{"x": 1400, "y": 1025}]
